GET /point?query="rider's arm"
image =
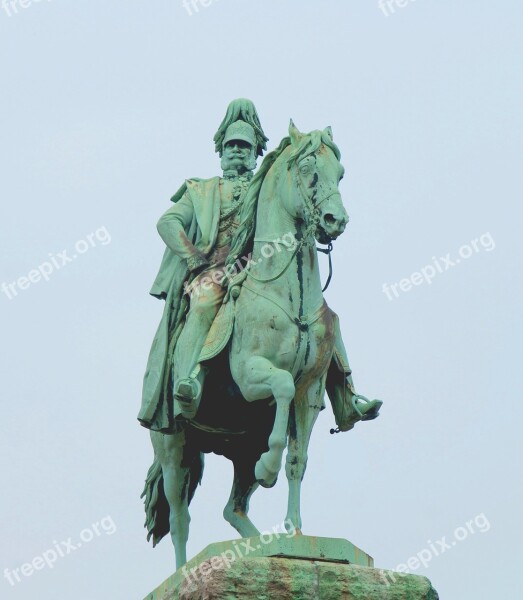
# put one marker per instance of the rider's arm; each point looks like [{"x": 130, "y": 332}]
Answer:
[{"x": 172, "y": 227}]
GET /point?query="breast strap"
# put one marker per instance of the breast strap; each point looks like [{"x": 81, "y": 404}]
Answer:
[{"x": 302, "y": 322}]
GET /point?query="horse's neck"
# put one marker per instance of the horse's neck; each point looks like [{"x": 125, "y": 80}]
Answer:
[{"x": 299, "y": 286}]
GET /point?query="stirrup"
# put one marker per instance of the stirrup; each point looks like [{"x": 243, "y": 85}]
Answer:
[
  {"x": 370, "y": 409},
  {"x": 366, "y": 410}
]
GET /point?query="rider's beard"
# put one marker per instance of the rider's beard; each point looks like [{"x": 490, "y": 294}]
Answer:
[{"x": 240, "y": 165}]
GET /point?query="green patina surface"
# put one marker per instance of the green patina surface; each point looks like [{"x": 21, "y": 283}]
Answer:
[
  {"x": 243, "y": 245},
  {"x": 247, "y": 346}
]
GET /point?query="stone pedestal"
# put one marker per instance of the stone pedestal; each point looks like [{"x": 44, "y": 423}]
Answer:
[{"x": 295, "y": 568}]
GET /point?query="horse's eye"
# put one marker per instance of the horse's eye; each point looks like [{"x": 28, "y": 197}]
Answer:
[{"x": 305, "y": 169}]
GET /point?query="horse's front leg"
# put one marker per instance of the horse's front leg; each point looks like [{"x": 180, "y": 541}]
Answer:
[
  {"x": 244, "y": 485},
  {"x": 171, "y": 451},
  {"x": 258, "y": 380},
  {"x": 303, "y": 415}
]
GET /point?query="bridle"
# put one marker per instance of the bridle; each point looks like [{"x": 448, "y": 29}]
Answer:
[{"x": 312, "y": 224}]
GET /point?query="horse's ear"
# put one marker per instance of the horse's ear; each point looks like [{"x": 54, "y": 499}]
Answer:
[
  {"x": 328, "y": 132},
  {"x": 295, "y": 133}
]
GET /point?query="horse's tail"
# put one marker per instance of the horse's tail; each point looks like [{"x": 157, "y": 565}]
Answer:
[{"x": 156, "y": 504}]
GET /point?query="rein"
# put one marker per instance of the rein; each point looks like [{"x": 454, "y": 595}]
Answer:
[
  {"x": 328, "y": 252},
  {"x": 299, "y": 246},
  {"x": 313, "y": 210}
]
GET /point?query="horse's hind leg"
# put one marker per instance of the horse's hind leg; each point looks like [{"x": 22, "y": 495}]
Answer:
[
  {"x": 171, "y": 451},
  {"x": 304, "y": 412},
  {"x": 244, "y": 485}
]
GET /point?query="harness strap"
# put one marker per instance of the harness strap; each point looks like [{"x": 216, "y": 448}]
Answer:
[
  {"x": 210, "y": 429},
  {"x": 302, "y": 322},
  {"x": 328, "y": 252},
  {"x": 299, "y": 246}
]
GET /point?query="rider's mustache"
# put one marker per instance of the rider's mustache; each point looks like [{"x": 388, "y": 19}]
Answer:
[{"x": 234, "y": 159}]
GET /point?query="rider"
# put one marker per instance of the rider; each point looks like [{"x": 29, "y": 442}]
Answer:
[{"x": 214, "y": 204}]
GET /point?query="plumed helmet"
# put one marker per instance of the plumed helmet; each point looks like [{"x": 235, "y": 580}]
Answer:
[
  {"x": 240, "y": 130},
  {"x": 244, "y": 110}
]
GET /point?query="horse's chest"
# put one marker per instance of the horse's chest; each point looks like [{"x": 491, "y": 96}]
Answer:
[{"x": 311, "y": 346}]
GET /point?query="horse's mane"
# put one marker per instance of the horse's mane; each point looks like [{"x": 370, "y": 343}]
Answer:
[
  {"x": 308, "y": 144},
  {"x": 243, "y": 236}
]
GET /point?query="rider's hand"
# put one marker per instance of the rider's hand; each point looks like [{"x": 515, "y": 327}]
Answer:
[{"x": 197, "y": 263}]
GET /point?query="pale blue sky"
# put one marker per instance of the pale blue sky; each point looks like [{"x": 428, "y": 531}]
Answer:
[{"x": 105, "y": 109}]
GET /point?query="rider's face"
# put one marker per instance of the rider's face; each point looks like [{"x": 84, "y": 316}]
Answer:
[{"x": 237, "y": 153}]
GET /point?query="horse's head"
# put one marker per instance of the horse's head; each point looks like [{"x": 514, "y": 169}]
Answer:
[{"x": 314, "y": 163}]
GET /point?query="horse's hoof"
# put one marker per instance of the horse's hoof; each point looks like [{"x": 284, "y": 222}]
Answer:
[
  {"x": 291, "y": 527},
  {"x": 264, "y": 476}
]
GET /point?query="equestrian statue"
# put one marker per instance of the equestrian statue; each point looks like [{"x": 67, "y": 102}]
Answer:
[{"x": 247, "y": 345}]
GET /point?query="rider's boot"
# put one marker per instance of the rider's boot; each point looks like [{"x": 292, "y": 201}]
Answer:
[
  {"x": 348, "y": 406},
  {"x": 188, "y": 391},
  {"x": 188, "y": 375}
]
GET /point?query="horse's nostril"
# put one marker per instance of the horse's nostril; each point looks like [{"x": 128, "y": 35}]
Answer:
[{"x": 329, "y": 219}]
